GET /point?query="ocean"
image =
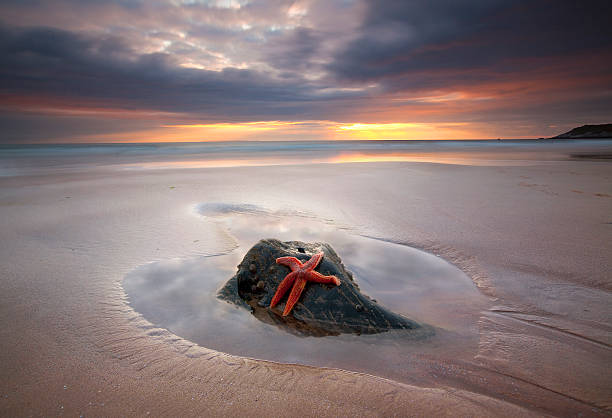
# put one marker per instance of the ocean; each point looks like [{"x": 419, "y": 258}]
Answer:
[{"x": 18, "y": 160}]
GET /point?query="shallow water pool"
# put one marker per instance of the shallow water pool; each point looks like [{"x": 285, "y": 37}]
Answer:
[{"x": 180, "y": 295}]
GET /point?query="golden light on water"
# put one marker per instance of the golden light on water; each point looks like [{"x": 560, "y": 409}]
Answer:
[
  {"x": 446, "y": 157},
  {"x": 253, "y": 160},
  {"x": 371, "y": 158}
]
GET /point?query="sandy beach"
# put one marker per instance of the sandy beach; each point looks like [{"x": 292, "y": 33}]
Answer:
[{"x": 532, "y": 231}]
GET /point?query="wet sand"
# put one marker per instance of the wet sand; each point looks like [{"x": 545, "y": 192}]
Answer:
[{"x": 535, "y": 238}]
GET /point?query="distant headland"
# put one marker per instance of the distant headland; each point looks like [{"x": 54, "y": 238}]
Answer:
[{"x": 588, "y": 131}]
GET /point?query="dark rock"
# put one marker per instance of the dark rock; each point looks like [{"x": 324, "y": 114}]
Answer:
[
  {"x": 588, "y": 131},
  {"x": 322, "y": 309}
]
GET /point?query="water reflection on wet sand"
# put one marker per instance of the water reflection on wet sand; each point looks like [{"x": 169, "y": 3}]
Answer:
[{"x": 180, "y": 295}]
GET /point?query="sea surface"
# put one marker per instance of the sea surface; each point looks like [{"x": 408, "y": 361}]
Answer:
[{"x": 18, "y": 160}]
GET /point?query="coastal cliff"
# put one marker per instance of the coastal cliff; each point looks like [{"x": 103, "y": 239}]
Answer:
[{"x": 588, "y": 131}]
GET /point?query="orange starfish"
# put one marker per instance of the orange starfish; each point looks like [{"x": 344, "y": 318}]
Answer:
[{"x": 300, "y": 274}]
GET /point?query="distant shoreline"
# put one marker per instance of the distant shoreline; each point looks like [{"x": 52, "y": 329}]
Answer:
[
  {"x": 602, "y": 131},
  {"x": 317, "y": 141}
]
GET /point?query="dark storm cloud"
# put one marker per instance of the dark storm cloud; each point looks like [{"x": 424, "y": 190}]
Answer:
[
  {"x": 54, "y": 63},
  {"x": 296, "y": 50},
  {"x": 68, "y": 62},
  {"x": 25, "y": 127},
  {"x": 400, "y": 38}
]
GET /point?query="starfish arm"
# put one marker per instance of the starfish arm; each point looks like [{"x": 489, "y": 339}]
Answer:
[
  {"x": 298, "y": 287},
  {"x": 282, "y": 288},
  {"x": 313, "y": 262},
  {"x": 291, "y": 262},
  {"x": 315, "y": 276}
]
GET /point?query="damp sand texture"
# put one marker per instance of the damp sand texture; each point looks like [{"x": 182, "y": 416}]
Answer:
[{"x": 534, "y": 239}]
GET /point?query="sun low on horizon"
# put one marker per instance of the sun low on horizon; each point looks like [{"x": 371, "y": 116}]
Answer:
[
  {"x": 302, "y": 130},
  {"x": 227, "y": 70}
]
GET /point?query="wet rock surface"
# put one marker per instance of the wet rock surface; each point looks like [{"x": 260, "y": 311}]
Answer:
[{"x": 322, "y": 309}]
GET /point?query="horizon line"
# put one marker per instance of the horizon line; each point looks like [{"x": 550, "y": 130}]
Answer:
[{"x": 281, "y": 140}]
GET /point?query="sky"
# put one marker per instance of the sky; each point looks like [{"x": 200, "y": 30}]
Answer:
[{"x": 210, "y": 70}]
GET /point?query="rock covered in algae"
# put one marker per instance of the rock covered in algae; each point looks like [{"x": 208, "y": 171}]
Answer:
[{"x": 322, "y": 309}]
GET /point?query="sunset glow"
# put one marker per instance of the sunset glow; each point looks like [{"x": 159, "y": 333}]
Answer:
[
  {"x": 314, "y": 130},
  {"x": 406, "y": 131},
  {"x": 249, "y": 126},
  {"x": 239, "y": 70}
]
